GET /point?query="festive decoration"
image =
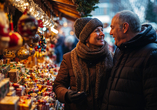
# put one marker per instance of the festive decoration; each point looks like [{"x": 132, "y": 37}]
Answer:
[
  {"x": 22, "y": 53},
  {"x": 40, "y": 23},
  {"x": 42, "y": 44},
  {"x": 27, "y": 26},
  {"x": 34, "y": 10},
  {"x": 4, "y": 29},
  {"x": 9, "y": 53},
  {"x": 16, "y": 40},
  {"x": 31, "y": 51},
  {"x": 38, "y": 54},
  {"x": 33, "y": 42},
  {"x": 85, "y": 6},
  {"x": 36, "y": 38}
]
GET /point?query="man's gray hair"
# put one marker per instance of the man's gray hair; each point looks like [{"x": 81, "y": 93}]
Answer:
[{"x": 131, "y": 18}]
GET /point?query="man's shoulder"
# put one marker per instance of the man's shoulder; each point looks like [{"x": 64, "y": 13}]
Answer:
[{"x": 151, "y": 46}]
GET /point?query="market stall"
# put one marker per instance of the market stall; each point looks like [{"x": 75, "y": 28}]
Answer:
[
  {"x": 27, "y": 59},
  {"x": 27, "y": 63}
]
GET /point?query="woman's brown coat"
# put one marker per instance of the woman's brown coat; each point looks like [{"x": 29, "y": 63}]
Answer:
[{"x": 66, "y": 79}]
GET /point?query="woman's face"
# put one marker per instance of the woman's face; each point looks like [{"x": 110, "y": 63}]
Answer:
[{"x": 96, "y": 38}]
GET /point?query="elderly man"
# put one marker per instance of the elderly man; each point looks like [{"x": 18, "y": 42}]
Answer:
[{"x": 133, "y": 81}]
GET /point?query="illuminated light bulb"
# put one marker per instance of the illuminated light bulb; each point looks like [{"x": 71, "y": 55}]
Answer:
[
  {"x": 31, "y": 9},
  {"x": 54, "y": 30}
]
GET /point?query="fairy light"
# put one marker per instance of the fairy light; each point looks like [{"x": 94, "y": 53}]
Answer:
[
  {"x": 54, "y": 30},
  {"x": 35, "y": 11}
]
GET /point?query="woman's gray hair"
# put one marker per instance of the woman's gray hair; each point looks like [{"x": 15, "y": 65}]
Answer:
[{"x": 131, "y": 18}]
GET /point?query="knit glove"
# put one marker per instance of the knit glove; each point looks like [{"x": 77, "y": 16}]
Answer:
[{"x": 75, "y": 97}]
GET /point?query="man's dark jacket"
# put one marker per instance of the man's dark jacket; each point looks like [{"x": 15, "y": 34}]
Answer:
[{"x": 133, "y": 81}]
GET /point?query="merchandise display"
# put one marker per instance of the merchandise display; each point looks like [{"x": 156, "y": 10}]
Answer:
[
  {"x": 27, "y": 65},
  {"x": 29, "y": 87}
]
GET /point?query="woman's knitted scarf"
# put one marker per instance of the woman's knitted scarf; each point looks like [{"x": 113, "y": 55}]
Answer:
[{"x": 80, "y": 69}]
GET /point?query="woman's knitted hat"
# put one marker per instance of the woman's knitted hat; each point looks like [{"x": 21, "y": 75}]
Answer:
[{"x": 83, "y": 27}]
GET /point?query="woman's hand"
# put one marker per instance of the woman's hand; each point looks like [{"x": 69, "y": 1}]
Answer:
[{"x": 75, "y": 97}]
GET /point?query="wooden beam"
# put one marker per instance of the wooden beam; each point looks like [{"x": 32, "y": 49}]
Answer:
[
  {"x": 64, "y": 5},
  {"x": 68, "y": 13},
  {"x": 69, "y": 17},
  {"x": 67, "y": 2},
  {"x": 72, "y": 10}
]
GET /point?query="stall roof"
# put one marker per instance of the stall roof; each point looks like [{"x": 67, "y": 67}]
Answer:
[{"x": 65, "y": 8}]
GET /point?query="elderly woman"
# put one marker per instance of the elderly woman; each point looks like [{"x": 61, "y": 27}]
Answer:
[{"x": 83, "y": 74}]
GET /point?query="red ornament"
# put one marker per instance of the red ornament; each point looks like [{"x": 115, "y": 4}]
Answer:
[
  {"x": 27, "y": 25},
  {"x": 40, "y": 23},
  {"x": 16, "y": 41},
  {"x": 52, "y": 45}
]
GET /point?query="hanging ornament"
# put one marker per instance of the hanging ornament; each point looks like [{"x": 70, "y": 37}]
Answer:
[
  {"x": 40, "y": 23},
  {"x": 4, "y": 29},
  {"x": 42, "y": 44},
  {"x": 22, "y": 53},
  {"x": 27, "y": 25},
  {"x": 36, "y": 38},
  {"x": 33, "y": 42},
  {"x": 16, "y": 40}
]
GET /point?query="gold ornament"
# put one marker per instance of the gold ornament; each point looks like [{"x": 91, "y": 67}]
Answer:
[{"x": 23, "y": 53}]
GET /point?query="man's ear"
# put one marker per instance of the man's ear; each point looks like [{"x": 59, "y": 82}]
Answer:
[{"x": 125, "y": 27}]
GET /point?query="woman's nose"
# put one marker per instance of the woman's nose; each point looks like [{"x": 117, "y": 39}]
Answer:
[{"x": 101, "y": 33}]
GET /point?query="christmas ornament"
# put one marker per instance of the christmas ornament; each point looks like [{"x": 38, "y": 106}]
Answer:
[
  {"x": 22, "y": 53},
  {"x": 33, "y": 42},
  {"x": 40, "y": 23},
  {"x": 27, "y": 25},
  {"x": 16, "y": 40},
  {"x": 4, "y": 30},
  {"x": 42, "y": 44},
  {"x": 36, "y": 38}
]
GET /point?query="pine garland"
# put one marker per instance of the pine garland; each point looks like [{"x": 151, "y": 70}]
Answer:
[{"x": 86, "y": 6}]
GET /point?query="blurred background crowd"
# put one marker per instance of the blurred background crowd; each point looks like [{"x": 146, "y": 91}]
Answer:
[{"x": 145, "y": 9}]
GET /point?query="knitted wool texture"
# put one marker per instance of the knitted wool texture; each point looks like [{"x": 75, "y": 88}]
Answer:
[
  {"x": 80, "y": 68},
  {"x": 83, "y": 27}
]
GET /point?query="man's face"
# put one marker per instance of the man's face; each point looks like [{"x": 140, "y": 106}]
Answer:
[{"x": 117, "y": 31}]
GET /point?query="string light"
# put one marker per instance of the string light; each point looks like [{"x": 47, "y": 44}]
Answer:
[
  {"x": 54, "y": 30},
  {"x": 34, "y": 10}
]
